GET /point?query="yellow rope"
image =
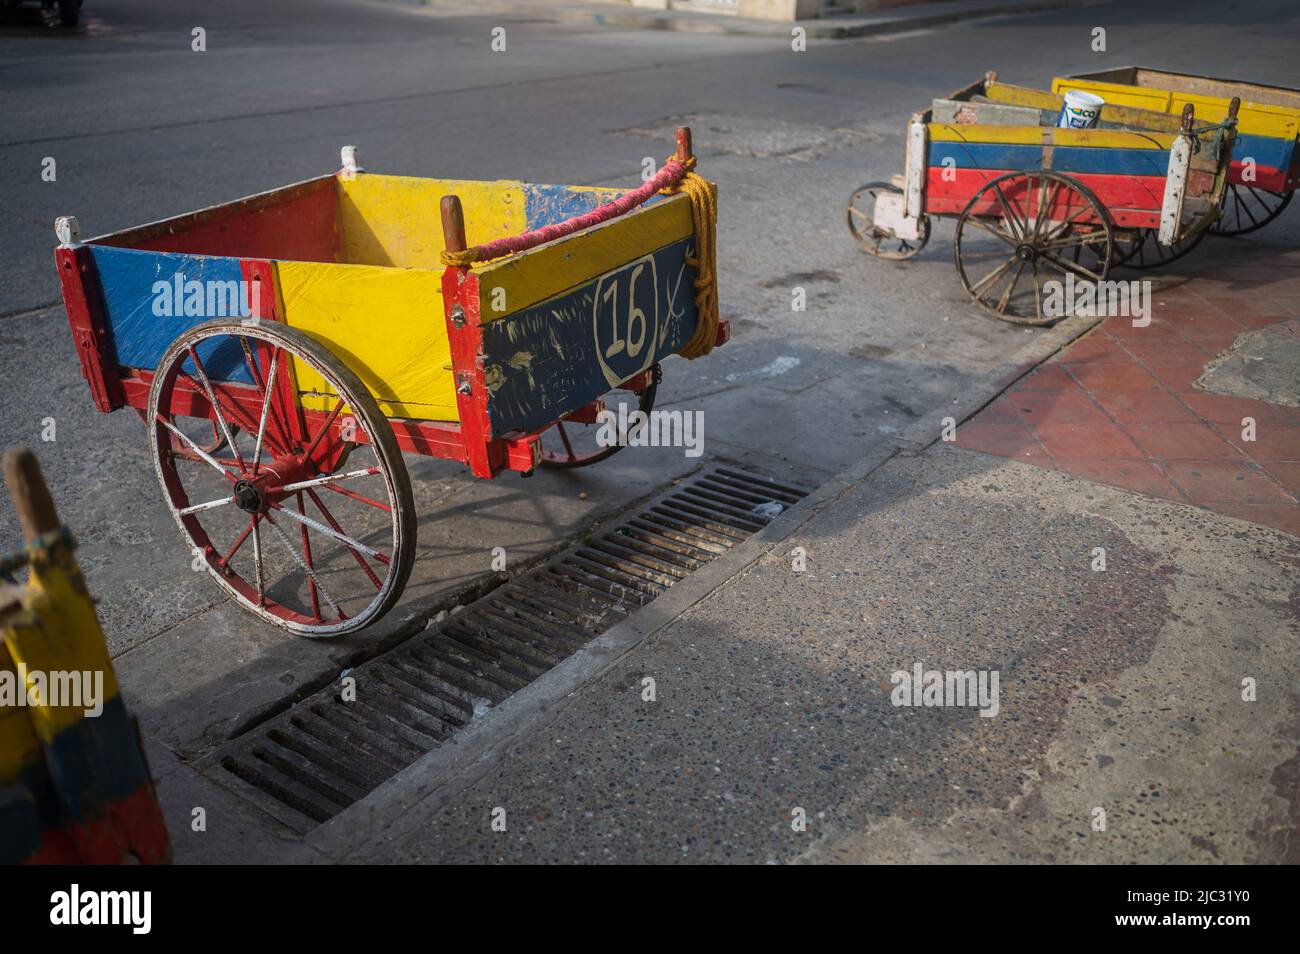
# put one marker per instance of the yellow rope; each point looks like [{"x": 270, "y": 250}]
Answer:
[
  {"x": 704, "y": 213},
  {"x": 459, "y": 259}
]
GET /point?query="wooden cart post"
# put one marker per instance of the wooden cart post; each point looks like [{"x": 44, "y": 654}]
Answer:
[{"x": 74, "y": 778}]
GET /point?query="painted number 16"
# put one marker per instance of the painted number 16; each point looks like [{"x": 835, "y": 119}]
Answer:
[{"x": 636, "y": 319}]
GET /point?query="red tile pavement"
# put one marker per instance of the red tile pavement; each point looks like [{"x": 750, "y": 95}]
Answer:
[{"x": 1119, "y": 406}]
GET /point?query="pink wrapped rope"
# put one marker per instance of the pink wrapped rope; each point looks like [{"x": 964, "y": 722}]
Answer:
[{"x": 668, "y": 176}]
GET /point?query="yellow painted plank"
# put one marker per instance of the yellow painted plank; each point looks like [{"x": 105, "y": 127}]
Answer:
[
  {"x": 520, "y": 281},
  {"x": 1158, "y": 119},
  {"x": 1036, "y": 135},
  {"x": 58, "y": 632},
  {"x": 395, "y": 220},
  {"x": 19, "y": 747},
  {"x": 386, "y": 324},
  {"x": 1254, "y": 119}
]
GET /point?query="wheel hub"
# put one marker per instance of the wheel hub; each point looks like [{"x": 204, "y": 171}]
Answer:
[
  {"x": 1026, "y": 252},
  {"x": 248, "y": 497}
]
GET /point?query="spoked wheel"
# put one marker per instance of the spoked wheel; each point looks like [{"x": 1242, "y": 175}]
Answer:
[
  {"x": 1141, "y": 249},
  {"x": 306, "y": 518},
  {"x": 574, "y": 443},
  {"x": 861, "y": 217},
  {"x": 1024, "y": 230},
  {"x": 1246, "y": 208}
]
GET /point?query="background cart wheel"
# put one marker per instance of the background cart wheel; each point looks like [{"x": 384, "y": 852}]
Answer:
[
  {"x": 1246, "y": 208},
  {"x": 306, "y": 517},
  {"x": 1141, "y": 249},
  {"x": 575, "y": 445},
  {"x": 1023, "y": 230},
  {"x": 861, "y": 216}
]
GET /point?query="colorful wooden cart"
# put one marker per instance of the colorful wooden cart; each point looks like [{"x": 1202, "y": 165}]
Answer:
[
  {"x": 287, "y": 348},
  {"x": 1041, "y": 203},
  {"x": 1265, "y": 167}
]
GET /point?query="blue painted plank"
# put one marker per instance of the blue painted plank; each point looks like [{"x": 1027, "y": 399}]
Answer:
[
  {"x": 144, "y": 314},
  {"x": 558, "y": 355},
  {"x": 1270, "y": 152},
  {"x": 987, "y": 155}
]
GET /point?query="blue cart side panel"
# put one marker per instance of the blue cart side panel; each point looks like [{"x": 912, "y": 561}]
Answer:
[
  {"x": 552, "y": 204},
  {"x": 1067, "y": 159},
  {"x": 151, "y": 298},
  {"x": 1271, "y": 152},
  {"x": 551, "y": 359}
]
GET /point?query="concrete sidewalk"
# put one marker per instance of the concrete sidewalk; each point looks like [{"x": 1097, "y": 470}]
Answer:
[
  {"x": 918, "y": 16},
  {"x": 1120, "y": 695}
]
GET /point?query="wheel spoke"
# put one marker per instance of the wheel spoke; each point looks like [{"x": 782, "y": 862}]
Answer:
[
  {"x": 981, "y": 224},
  {"x": 311, "y": 574},
  {"x": 1038, "y": 293},
  {"x": 333, "y": 534},
  {"x": 1063, "y": 266},
  {"x": 329, "y": 421},
  {"x": 1006, "y": 295},
  {"x": 564, "y": 437},
  {"x": 225, "y": 560},
  {"x": 204, "y": 455},
  {"x": 210, "y": 505},
  {"x": 216, "y": 405},
  {"x": 1010, "y": 214},
  {"x": 312, "y": 588},
  {"x": 330, "y": 479},
  {"x": 978, "y": 288},
  {"x": 360, "y": 498},
  {"x": 266, "y": 409},
  {"x": 268, "y": 387},
  {"x": 257, "y": 558},
  {"x": 335, "y": 524}
]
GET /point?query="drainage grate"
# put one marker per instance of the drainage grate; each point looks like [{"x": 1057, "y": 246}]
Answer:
[{"x": 311, "y": 762}]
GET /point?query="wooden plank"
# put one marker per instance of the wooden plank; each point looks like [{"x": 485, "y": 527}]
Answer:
[
  {"x": 1130, "y": 201},
  {"x": 958, "y": 113},
  {"x": 386, "y": 324},
  {"x": 1050, "y": 135},
  {"x": 393, "y": 220},
  {"x": 144, "y": 313},
  {"x": 975, "y": 155},
  {"x": 558, "y": 355},
  {"x": 521, "y": 281}
]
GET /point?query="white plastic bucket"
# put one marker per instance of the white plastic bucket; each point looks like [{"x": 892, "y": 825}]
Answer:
[{"x": 1080, "y": 111}]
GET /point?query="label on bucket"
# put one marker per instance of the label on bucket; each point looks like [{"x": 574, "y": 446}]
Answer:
[{"x": 1080, "y": 110}]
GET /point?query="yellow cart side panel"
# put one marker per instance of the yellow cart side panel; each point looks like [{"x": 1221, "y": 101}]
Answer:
[
  {"x": 1136, "y": 117},
  {"x": 1051, "y": 135},
  {"x": 395, "y": 220},
  {"x": 1253, "y": 119},
  {"x": 520, "y": 281},
  {"x": 386, "y": 324}
]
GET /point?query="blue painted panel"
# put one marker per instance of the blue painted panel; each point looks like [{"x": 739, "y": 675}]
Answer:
[
  {"x": 1067, "y": 159},
  {"x": 560, "y": 354},
  {"x": 96, "y": 761},
  {"x": 145, "y": 315},
  {"x": 1268, "y": 151},
  {"x": 552, "y": 204}
]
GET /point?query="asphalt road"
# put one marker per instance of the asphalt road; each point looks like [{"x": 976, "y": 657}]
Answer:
[{"x": 141, "y": 127}]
